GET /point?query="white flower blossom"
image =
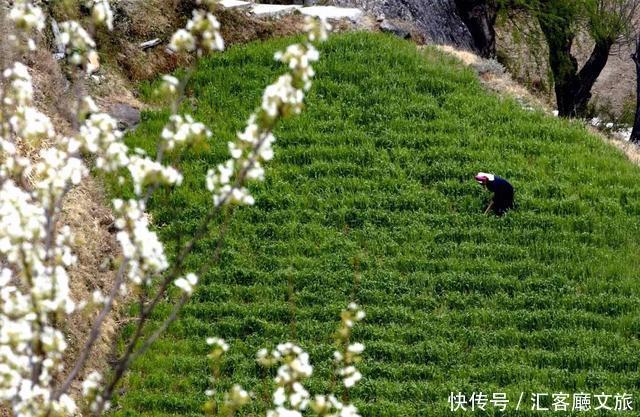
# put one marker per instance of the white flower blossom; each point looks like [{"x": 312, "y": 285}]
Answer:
[
  {"x": 26, "y": 17},
  {"x": 145, "y": 171},
  {"x": 97, "y": 297},
  {"x": 101, "y": 13},
  {"x": 183, "y": 130},
  {"x": 201, "y": 34},
  {"x": 350, "y": 353},
  {"x": 317, "y": 30},
  {"x": 140, "y": 246},
  {"x": 356, "y": 348},
  {"x": 290, "y": 397},
  {"x": 56, "y": 171},
  {"x": 218, "y": 343},
  {"x": 254, "y": 145},
  {"x": 238, "y": 396},
  {"x": 169, "y": 86},
  {"x": 99, "y": 135},
  {"x": 283, "y": 412},
  {"x": 86, "y": 107},
  {"x": 79, "y": 46},
  {"x": 91, "y": 384},
  {"x": 266, "y": 358},
  {"x": 18, "y": 90},
  {"x": 350, "y": 376},
  {"x": 187, "y": 283},
  {"x": 299, "y": 58},
  {"x": 182, "y": 41},
  {"x": 31, "y": 125},
  {"x": 330, "y": 406}
]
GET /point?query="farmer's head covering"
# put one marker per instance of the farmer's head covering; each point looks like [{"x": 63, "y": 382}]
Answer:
[{"x": 483, "y": 177}]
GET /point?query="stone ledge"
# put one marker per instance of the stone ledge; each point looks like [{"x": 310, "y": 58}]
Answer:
[
  {"x": 333, "y": 12},
  {"x": 235, "y": 4},
  {"x": 273, "y": 10}
]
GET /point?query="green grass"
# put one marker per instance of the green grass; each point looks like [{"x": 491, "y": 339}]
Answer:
[{"x": 380, "y": 168}]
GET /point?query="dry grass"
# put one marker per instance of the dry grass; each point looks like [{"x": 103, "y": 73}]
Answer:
[
  {"x": 631, "y": 150},
  {"x": 498, "y": 82},
  {"x": 88, "y": 215}
]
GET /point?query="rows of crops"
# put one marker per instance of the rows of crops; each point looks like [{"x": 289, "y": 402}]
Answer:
[{"x": 378, "y": 173}]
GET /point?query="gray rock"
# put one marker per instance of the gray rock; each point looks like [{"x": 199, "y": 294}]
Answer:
[
  {"x": 235, "y": 4},
  {"x": 296, "y": 2},
  {"x": 273, "y": 10},
  {"x": 59, "y": 47},
  {"x": 150, "y": 44},
  {"x": 388, "y": 27},
  {"x": 128, "y": 117},
  {"x": 333, "y": 13},
  {"x": 436, "y": 20}
]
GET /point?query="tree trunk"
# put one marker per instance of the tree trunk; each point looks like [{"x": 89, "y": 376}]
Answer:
[
  {"x": 589, "y": 74},
  {"x": 479, "y": 16},
  {"x": 564, "y": 68},
  {"x": 635, "y": 132},
  {"x": 572, "y": 87}
]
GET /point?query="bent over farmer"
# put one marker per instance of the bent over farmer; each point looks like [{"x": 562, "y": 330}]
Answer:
[{"x": 502, "y": 192}]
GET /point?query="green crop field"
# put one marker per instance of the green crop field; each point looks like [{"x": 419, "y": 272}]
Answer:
[{"x": 376, "y": 178}]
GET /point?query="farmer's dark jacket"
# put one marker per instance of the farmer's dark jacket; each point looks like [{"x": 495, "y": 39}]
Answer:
[{"x": 503, "y": 193}]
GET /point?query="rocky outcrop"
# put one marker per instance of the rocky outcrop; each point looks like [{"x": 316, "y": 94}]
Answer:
[
  {"x": 127, "y": 116},
  {"x": 390, "y": 27},
  {"x": 435, "y": 20}
]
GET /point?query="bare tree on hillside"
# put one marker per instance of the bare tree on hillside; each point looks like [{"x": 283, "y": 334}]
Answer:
[
  {"x": 607, "y": 22},
  {"x": 635, "y": 133}
]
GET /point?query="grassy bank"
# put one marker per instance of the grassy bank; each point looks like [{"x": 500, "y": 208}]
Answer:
[{"x": 376, "y": 178}]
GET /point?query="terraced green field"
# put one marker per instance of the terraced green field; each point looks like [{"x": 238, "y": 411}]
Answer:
[{"x": 378, "y": 172}]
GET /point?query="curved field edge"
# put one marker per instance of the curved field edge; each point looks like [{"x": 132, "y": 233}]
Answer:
[{"x": 377, "y": 172}]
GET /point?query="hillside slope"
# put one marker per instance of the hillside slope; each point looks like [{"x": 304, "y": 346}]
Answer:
[{"x": 378, "y": 172}]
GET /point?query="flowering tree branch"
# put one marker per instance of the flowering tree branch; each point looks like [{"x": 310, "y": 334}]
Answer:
[{"x": 35, "y": 252}]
